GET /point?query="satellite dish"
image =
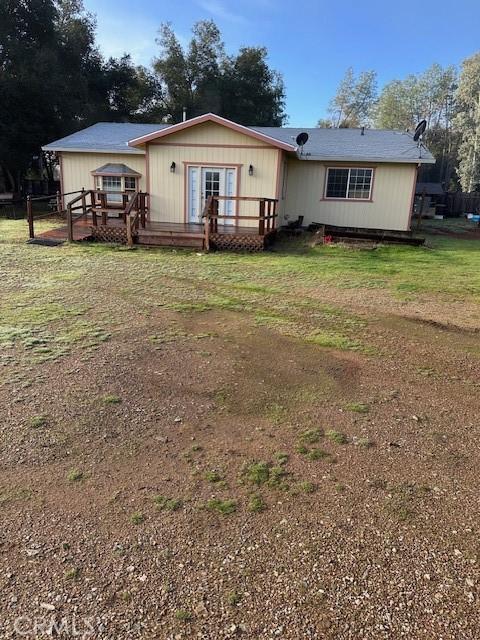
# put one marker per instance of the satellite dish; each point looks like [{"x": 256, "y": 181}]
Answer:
[
  {"x": 419, "y": 130},
  {"x": 302, "y": 139}
]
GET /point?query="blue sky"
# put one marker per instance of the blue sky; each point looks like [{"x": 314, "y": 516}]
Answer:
[{"x": 310, "y": 43}]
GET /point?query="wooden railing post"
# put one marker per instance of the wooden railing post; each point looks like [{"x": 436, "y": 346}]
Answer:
[
  {"x": 207, "y": 233},
  {"x": 215, "y": 214},
  {"x": 31, "y": 232},
  {"x": 141, "y": 205},
  {"x": 129, "y": 230},
  {"x": 59, "y": 201},
  {"x": 274, "y": 220},
  {"x": 84, "y": 202},
  {"x": 208, "y": 221},
  {"x": 103, "y": 206},
  {"x": 69, "y": 223},
  {"x": 261, "y": 216},
  {"x": 92, "y": 208}
]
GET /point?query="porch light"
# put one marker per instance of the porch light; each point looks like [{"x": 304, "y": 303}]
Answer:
[
  {"x": 172, "y": 167},
  {"x": 250, "y": 170}
]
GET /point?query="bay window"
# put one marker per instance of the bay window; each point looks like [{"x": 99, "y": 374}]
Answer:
[{"x": 111, "y": 184}]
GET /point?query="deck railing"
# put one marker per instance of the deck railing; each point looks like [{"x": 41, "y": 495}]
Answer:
[
  {"x": 135, "y": 213},
  {"x": 55, "y": 200},
  {"x": 267, "y": 214},
  {"x": 133, "y": 208}
]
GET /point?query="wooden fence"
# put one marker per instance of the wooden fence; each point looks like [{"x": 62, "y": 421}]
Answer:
[{"x": 460, "y": 203}]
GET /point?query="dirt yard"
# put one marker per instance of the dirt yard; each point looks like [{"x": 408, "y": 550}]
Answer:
[{"x": 222, "y": 446}]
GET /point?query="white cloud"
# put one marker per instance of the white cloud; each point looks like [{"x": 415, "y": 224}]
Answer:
[
  {"x": 115, "y": 38},
  {"x": 114, "y": 44},
  {"x": 220, "y": 11}
]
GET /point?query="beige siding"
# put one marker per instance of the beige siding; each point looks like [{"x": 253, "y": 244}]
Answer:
[
  {"x": 77, "y": 168},
  {"x": 282, "y": 189},
  {"x": 168, "y": 190},
  {"x": 389, "y": 209},
  {"x": 211, "y": 133}
]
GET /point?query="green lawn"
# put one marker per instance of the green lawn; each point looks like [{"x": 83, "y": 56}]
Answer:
[
  {"x": 56, "y": 298},
  {"x": 444, "y": 265}
]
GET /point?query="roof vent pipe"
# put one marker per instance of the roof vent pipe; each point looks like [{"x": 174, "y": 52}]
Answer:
[
  {"x": 363, "y": 131},
  {"x": 184, "y": 114}
]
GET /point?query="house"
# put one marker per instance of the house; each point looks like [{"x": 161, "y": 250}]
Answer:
[{"x": 244, "y": 181}]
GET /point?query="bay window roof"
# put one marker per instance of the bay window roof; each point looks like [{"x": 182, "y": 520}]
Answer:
[{"x": 112, "y": 169}]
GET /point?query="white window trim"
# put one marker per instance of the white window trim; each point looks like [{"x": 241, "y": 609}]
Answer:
[
  {"x": 369, "y": 199},
  {"x": 99, "y": 183},
  {"x": 198, "y": 189}
]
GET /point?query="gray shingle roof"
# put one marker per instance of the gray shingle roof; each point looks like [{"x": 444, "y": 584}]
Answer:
[
  {"x": 113, "y": 169},
  {"x": 104, "y": 136},
  {"x": 376, "y": 145}
]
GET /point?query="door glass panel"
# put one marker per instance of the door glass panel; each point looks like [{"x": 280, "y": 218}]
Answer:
[
  {"x": 218, "y": 182},
  {"x": 229, "y": 205},
  {"x": 193, "y": 195},
  {"x": 212, "y": 183}
]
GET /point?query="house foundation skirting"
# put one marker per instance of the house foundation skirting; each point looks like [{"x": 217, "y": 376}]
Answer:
[
  {"x": 237, "y": 242},
  {"x": 105, "y": 233}
]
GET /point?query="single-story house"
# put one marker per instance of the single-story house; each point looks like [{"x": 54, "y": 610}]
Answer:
[{"x": 360, "y": 178}]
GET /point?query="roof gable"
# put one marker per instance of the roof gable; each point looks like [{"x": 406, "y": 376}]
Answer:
[{"x": 211, "y": 117}]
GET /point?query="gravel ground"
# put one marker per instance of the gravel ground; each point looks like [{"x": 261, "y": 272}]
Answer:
[
  {"x": 384, "y": 546},
  {"x": 364, "y": 524}
]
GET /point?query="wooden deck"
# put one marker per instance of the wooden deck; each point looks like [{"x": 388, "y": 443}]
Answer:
[
  {"x": 89, "y": 218},
  {"x": 157, "y": 234}
]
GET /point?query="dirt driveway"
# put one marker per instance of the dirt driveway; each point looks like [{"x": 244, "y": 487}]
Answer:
[{"x": 267, "y": 459}]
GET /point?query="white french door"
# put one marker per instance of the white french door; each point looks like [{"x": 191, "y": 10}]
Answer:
[{"x": 211, "y": 181}]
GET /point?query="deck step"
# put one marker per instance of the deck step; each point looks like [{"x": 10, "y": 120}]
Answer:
[
  {"x": 59, "y": 235},
  {"x": 46, "y": 242},
  {"x": 169, "y": 239}
]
